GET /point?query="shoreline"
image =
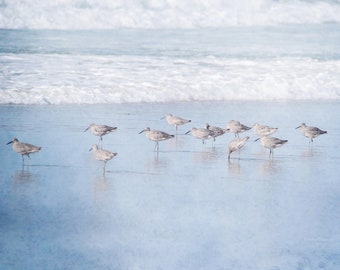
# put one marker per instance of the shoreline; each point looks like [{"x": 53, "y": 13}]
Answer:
[{"x": 174, "y": 203}]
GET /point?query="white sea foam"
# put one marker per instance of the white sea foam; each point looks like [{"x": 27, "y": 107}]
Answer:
[
  {"x": 116, "y": 66},
  {"x": 116, "y": 79},
  {"x": 103, "y": 14}
]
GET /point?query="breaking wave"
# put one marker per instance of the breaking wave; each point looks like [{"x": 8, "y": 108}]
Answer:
[{"x": 151, "y": 14}]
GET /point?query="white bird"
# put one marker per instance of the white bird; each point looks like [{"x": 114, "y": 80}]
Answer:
[
  {"x": 236, "y": 144},
  {"x": 201, "y": 133},
  {"x": 24, "y": 149},
  {"x": 310, "y": 132},
  {"x": 263, "y": 130},
  {"x": 271, "y": 143},
  {"x": 100, "y": 130},
  {"x": 217, "y": 131},
  {"x": 236, "y": 127},
  {"x": 102, "y": 155},
  {"x": 175, "y": 120},
  {"x": 156, "y": 136}
]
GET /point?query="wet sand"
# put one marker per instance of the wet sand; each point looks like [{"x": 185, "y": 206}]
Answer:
[{"x": 185, "y": 207}]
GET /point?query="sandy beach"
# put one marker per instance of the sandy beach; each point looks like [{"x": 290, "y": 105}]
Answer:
[
  {"x": 185, "y": 207},
  {"x": 66, "y": 64}
]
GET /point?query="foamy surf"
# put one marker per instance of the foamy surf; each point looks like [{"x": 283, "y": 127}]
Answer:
[
  {"x": 295, "y": 62},
  {"x": 177, "y": 14},
  {"x": 130, "y": 80}
]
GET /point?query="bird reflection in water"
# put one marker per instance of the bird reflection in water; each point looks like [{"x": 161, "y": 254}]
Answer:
[
  {"x": 156, "y": 162},
  {"x": 270, "y": 167},
  {"x": 24, "y": 176},
  {"x": 101, "y": 184},
  {"x": 206, "y": 155},
  {"x": 234, "y": 167}
]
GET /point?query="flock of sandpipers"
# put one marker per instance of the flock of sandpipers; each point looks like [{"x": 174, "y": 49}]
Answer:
[{"x": 209, "y": 132}]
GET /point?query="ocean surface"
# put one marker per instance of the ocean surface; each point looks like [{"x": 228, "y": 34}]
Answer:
[
  {"x": 67, "y": 64},
  {"x": 295, "y": 62}
]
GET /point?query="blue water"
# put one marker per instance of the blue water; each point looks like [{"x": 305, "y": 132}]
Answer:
[
  {"x": 186, "y": 207},
  {"x": 314, "y": 41},
  {"x": 66, "y": 64}
]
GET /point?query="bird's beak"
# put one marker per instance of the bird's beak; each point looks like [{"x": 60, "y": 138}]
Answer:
[
  {"x": 256, "y": 139},
  {"x": 9, "y": 142},
  {"x": 90, "y": 149},
  {"x": 86, "y": 129},
  {"x": 141, "y": 131},
  {"x": 297, "y": 127},
  {"x": 163, "y": 118},
  {"x": 187, "y": 132}
]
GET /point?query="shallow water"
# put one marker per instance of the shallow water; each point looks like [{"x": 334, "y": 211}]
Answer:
[{"x": 186, "y": 207}]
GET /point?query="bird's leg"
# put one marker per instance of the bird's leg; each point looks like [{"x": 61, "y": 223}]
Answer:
[
  {"x": 29, "y": 159},
  {"x": 156, "y": 146}
]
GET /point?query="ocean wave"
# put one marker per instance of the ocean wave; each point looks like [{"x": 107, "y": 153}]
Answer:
[
  {"x": 150, "y": 14},
  {"x": 132, "y": 79}
]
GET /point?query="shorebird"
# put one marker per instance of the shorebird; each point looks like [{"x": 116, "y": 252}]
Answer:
[
  {"x": 310, "y": 132},
  {"x": 236, "y": 144},
  {"x": 24, "y": 149},
  {"x": 175, "y": 120},
  {"x": 271, "y": 143},
  {"x": 201, "y": 133},
  {"x": 236, "y": 127},
  {"x": 100, "y": 130},
  {"x": 156, "y": 136},
  {"x": 217, "y": 131},
  {"x": 102, "y": 155},
  {"x": 263, "y": 130}
]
